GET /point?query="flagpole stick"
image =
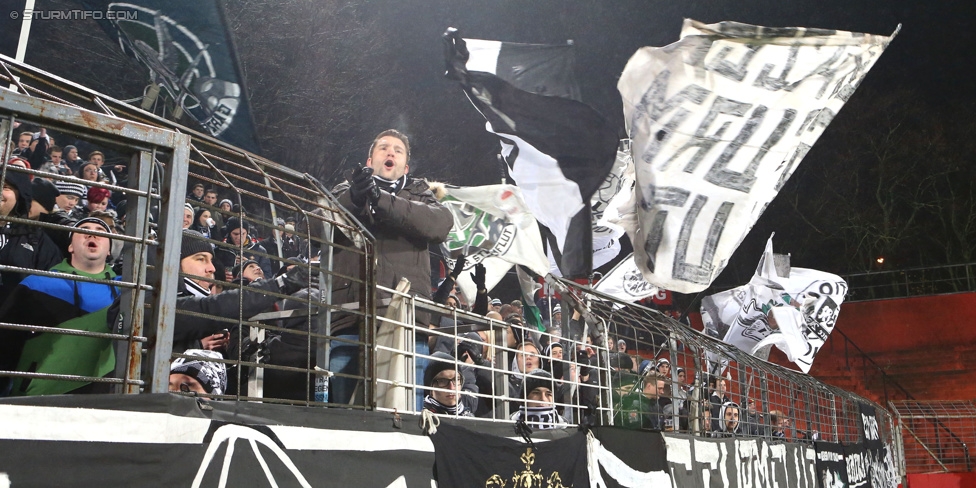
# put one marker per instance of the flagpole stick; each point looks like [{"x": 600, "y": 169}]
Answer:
[
  {"x": 502, "y": 166},
  {"x": 25, "y": 28}
]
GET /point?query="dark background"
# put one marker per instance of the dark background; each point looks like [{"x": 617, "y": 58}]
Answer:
[{"x": 892, "y": 176}]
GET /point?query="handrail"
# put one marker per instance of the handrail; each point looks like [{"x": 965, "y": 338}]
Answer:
[{"x": 885, "y": 378}]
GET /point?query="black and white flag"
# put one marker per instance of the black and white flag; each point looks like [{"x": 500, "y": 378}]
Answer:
[
  {"x": 189, "y": 53},
  {"x": 794, "y": 309},
  {"x": 543, "y": 69},
  {"x": 719, "y": 122},
  {"x": 493, "y": 227},
  {"x": 559, "y": 151}
]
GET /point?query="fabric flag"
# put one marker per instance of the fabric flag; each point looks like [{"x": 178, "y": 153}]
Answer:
[
  {"x": 559, "y": 152},
  {"x": 719, "y": 122},
  {"x": 469, "y": 459},
  {"x": 626, "y": 283},
  {"x": 492, "y": 226},
  {"x": 794, "y": 309},
  {"x": 190, "y": 55},
  {"x": 606, "y": 233},
  {"x": 543, "y": 69}
]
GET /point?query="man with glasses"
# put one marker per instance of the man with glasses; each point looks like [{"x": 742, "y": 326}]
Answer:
[{"x": 444, "y": 385}]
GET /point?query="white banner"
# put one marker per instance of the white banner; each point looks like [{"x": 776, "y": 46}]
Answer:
[
  {"x": 625, "y": 282},
  {"x": 491, "y": 226},
  {"x": 793, "y": 309},
  {"x": 719, "y": 122}
]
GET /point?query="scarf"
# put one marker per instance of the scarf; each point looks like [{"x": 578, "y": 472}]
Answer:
[
  {"x": 391, "y": 186},
  {"x": 539, "y": 417},
  {"x": 194, "y": 289},
  {"x": 438, "y": 407}
]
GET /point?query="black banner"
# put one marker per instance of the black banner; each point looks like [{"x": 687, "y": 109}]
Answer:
[
  {"x": 623, "y": 464},
  {"x": 190, "y": 54},
  {"x": 858, "y": 466},
  {"x": 731, "y": 463},
  {"x": 469, "y": 459},
  {"x": 831, "y": 467}
]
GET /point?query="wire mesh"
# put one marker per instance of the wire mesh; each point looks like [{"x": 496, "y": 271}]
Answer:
[{"x": 936, "y": 435}]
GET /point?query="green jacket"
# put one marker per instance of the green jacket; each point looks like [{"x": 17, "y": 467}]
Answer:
[{"x": 65, "y": 303}]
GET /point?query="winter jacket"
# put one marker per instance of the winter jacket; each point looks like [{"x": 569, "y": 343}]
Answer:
[
  {"x": 228, "y": 257},
  {"x": 25, "y": 247},
  {"x": 403, "y": 224},
  {"x": 189, "y": 329},
  {"x": 65, "y": 303}
]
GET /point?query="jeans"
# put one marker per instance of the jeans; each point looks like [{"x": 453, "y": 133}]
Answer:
[{"x": 344, "y": 358}]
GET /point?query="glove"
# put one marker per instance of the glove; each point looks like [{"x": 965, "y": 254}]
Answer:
[
  {"x": 458, "y": 267},
  {"x": 362, "y": 187},
  {"x": 293, "y": 280},
  {"x": 479, "y": 276}
]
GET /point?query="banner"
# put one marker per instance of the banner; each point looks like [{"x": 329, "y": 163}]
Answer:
[
  {"x": 831, "y": 467},
  {"x": 559, "y": 152},
  {"x": 626, "y": 283},
  {"x": 794, "y": 309},
  {"x": 719, "y": 122},
  {"x": 734, "y": 463},
  {"x": 882, "y": 472},
  {"x": 464, "y": 458},
  {"x": 189, "y": 53},
  {"x": 492, "y": 226},
  {"x": 615, "y": 462}
]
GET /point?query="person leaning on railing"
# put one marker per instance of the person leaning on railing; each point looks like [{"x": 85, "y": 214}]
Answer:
[{"x": 198, "y": 332}]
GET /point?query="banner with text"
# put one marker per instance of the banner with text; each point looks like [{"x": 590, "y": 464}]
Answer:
[
  {"x": 492, "y": 226},
  {"x": 719, "y": 122}
]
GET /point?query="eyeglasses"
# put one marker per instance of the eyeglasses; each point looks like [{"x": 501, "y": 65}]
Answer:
[{"x": 446, "y": 382}]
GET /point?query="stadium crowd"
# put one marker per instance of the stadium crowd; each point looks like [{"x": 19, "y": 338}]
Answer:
[{"x": 232, "y": 268}]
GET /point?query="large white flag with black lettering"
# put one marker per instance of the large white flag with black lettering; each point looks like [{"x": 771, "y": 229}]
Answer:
[
  {"x": 719, "y": 122},
  {"x": 794, "y": 309}
]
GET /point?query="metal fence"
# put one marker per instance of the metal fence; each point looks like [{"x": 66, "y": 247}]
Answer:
[
  {"x": 284, "y": 352},
  {"x": 936, "y": 435},
  {"x": 903, "y": 283}
]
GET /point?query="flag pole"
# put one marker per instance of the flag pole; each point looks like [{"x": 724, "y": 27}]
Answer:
[{"x": 25, "y": 27}]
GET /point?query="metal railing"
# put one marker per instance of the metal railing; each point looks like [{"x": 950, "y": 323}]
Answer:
[
  {"x": 936, "y": 435},
  {"x": 284, "y": 351},
  {"x": 933, "y": 280}
]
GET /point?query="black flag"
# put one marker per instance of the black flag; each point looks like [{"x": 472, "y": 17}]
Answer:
[{"x": 189, "y": 52}]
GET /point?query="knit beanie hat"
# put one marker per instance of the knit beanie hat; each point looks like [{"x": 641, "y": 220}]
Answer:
[
  {"x": 91, "y": 220},
  {"x": 439, "y": 361},
  {"x": 22, "y": 183},
  {"x": 536, "y": 379},
  {"x": 45, "y": 193},
  {"x": 234, "y": 223},
  {"x": 68, "y": 188},
  {"x": 212, "y": 375},
  {"x": 238, "y": 269},
  {"x": 193, "y": 242},
  {"x": 81, "y": 169}
]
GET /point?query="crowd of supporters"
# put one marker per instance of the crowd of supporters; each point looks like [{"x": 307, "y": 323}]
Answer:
[{"x": 546, "y": 373}]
